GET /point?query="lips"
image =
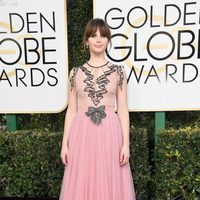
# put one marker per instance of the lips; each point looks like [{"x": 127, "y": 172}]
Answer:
[{"x": 98, "y": 46}]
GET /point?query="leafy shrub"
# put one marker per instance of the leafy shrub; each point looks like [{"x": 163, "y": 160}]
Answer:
[
  {"x": 139, "y": 162},
  {"x": 30, "y": 163},
  {"x": 177, "y": 169}
]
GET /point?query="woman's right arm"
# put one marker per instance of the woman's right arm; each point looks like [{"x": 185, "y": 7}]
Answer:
[{"x": 71, "y": 111}]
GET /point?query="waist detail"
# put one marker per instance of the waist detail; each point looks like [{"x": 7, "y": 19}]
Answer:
[{"x": 107, "y": 108}]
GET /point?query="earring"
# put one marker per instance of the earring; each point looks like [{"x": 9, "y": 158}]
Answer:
[{"x": 86, "y": 46}]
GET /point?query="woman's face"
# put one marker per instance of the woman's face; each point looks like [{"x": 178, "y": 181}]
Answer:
[{"x": 97, "y": 43}]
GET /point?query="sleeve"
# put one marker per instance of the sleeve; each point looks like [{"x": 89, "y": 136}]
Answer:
[
  {"x": 72, "y": 98},
  {"x": 122, "y": 79},
  {"x": 72, "y": 78},
  {"x": 121, "y": 96}
]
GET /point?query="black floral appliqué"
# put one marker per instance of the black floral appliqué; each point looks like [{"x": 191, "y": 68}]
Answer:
[
  {"x": 121, "y": 75},
  {"x": 72, "y": 77},
  {"x": 96, "y": 113},
  {"x": 101, "y": 81}
]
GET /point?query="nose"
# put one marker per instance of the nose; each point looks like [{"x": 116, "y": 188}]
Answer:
[{"x": 98, "y": 38}]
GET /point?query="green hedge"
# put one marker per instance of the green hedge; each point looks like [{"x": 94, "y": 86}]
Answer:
[
  {"x": 139, "y": 162},
  {"x": 30, "y": 163},
  {"x": 177, "y": 164}
]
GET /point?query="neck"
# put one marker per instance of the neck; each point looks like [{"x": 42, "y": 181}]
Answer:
[{"x": 97, "y": 59}]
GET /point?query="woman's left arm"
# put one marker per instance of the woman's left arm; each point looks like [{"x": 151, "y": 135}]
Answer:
[{"x": 123, "y": 114}]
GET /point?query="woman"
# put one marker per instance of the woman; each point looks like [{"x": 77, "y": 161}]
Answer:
[{"x": 95, "y": 146}]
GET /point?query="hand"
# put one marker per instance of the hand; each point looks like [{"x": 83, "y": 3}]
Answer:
[
  {"x": 64, "y": 154},
  {"x": 124, "y": 155}
]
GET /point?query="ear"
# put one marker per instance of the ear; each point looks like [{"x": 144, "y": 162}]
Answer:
[
  {"x": 109, "y": 44},
  {"x": 87, "y": 44}
]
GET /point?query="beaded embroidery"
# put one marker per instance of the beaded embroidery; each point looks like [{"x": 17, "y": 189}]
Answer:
[
  {"x": 96, "y": 113},
  {"x": 121, "y": 75},
  {"x": 102, "y": 81},
  {"x": 72, "y": 77}
]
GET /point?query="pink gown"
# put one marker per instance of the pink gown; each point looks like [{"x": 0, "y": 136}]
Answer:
[{"x": 95, "y": 138}]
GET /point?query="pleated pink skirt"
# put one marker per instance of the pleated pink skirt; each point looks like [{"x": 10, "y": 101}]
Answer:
[{"x": 93, "y": 171}]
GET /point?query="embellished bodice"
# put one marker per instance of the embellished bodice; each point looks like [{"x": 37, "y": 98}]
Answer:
[{"x": 95, "y": 92}]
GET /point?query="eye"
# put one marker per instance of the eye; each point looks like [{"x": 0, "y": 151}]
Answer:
[{"x": 93, "y": 35}]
